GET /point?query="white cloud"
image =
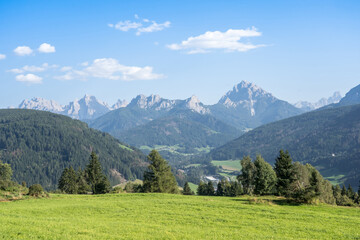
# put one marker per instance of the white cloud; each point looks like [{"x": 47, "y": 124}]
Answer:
[
  {"x": 27, "y": 68},
  {"x": 2, "y": 56},
  {"x": 125, "y": 26},
  {"x": 154, "y": 27},
  {"x": 65, "y": 68},
  {"x": 228, "y": 41},
  {"x": 146, "y": 26},
  {"x": 46, "y": 48},
  {"x": 23, "y": 50},
  {"x": 109, "y": 68},
  {"x": 29, "y": 78},
  {"x": 84, "y": 64}
]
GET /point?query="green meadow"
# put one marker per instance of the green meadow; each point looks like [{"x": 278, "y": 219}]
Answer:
[{"x": 165, "y": 216}]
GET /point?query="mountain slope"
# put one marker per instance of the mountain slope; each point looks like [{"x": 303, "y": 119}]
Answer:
[
  {"x": 39, "y": 145},
  {"x": 351, "y": 98},
  {"x": 249, "y": 106},
  {"x": 328, "y": 139},
  {"x": 182, "y": 131}
]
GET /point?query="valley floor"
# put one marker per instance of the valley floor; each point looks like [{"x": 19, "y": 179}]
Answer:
[{"x": 164, "y": 216}]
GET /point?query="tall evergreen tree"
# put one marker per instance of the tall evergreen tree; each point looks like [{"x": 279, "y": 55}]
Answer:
[
  {"x": 202, "y": 189},
  {"x": 343, "y": 190},
  {"x": 210, "y": 191},
  {"x": 96, "y": 179},
  {"x": 285, "y": 173},
  {"x": 83, "y": 186},
  {"x": 187, "y": 189},
  {"x": 159, "y": 177},
  {"x": 350, "y": 192},
  {"x": 247, "y": 175},
  {"x": 68, "y": 181},
  {"x": 265, "y": 177}
]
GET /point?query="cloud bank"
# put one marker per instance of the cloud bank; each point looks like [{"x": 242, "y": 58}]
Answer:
[
  {"x": 110, "y": 68},
  {"x": 227, "y": 41}
]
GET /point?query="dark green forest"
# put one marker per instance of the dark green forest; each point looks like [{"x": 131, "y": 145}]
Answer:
[
  {"x": 327, "y": 139},
  {"x": 39, "y": 145}
]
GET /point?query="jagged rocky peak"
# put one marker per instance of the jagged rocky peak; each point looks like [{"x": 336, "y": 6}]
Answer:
[
  {"x": 38, "y": 103},
  {"x": 87, "y": 107},
  {"x": 193, "y": 103},
  {"x": 244, "y": 92},
  {"x": 119, "y": 104},
  {"x": 152, "y": 102}
]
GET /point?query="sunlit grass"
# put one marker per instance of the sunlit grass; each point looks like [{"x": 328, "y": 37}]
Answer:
[{"x": 163, "y": 216}]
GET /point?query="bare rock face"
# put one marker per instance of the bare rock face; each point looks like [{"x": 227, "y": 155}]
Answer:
[{"x": 38, "y": 103}]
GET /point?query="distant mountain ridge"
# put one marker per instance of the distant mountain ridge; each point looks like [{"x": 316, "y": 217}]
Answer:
[
  {"x": 308, "y": 106},
  {"x": 86, "y": 108}
]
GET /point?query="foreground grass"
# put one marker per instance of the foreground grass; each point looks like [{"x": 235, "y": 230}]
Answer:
[{"x": 163, "y": 216}]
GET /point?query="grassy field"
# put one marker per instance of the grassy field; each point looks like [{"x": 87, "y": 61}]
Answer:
[
  {"x": 231, "y": 165},
  {"x": 163, "y": 216}
]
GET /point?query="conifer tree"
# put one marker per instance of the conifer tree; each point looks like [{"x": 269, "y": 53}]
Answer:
[
  {"x": 83, "y": 186},
  {"x": 285, "y": 173},
  {"x": 343, "y": 190},
  {"x": 187, "y": 189},
  {"x": 350, "y": 192},
  {"x": 98, "y": 182},
  {"x": 210, "y": 191},
  {"x": 159, "y": 177},
  {"x": 68, "y": 181},
  {"x": 265, "y": 177},
  {"x": 202, "y": 189}
]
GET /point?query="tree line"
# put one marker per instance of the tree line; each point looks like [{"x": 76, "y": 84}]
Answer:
[{"x": 302, "y": 183}]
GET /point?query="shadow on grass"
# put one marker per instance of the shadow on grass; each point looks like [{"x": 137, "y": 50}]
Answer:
[{"x": 281, "y": 202}]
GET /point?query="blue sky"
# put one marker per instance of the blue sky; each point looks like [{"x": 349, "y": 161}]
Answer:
[{"x": 60, "y": 50}]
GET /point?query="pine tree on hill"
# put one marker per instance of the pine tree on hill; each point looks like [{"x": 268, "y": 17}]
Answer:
[
  {"x": 202, "y": 189},
  {"x": 96, "y": 179},
  {"x": 285, "y": 173},
  {"x": 159, "y": 177},
  {"x": 343, "y": 190},
  {"x": 350, "y": 192},
  {"x": 187, "y": 189},
  {"x": 68, "y": 181}
]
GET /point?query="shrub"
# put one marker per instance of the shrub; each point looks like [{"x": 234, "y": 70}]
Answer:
[{"x": 36, "y": 190}]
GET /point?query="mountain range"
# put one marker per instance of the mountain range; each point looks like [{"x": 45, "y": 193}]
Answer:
[
  {"x": 177, "y": 128},
  {"x": 86, "y": 108},
  {"x": 308, "y": 106}
]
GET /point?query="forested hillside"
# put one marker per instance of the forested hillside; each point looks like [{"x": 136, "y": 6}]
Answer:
[
  {"x": 39, "y": 145},
  {"x": 328, "y": 139},
  {"x": 181, "y": 133}
]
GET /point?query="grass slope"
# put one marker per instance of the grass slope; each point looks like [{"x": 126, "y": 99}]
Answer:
[{"x": 162, "y": 216}]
